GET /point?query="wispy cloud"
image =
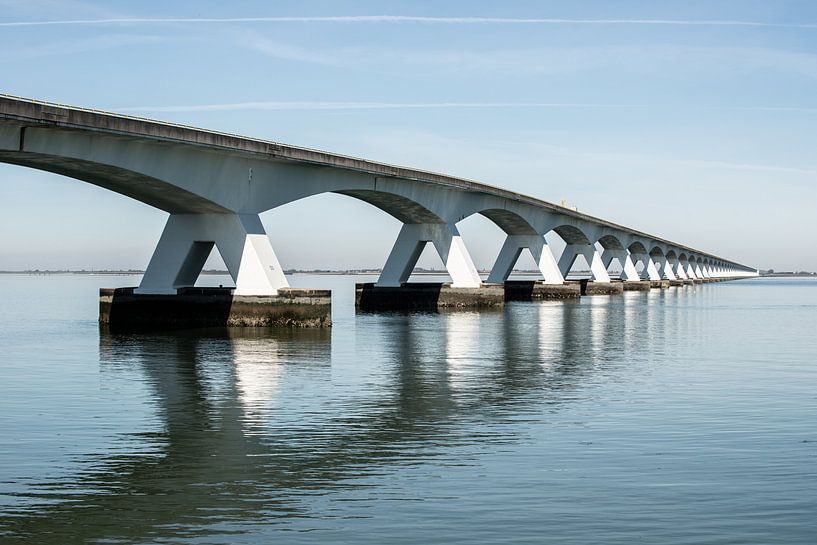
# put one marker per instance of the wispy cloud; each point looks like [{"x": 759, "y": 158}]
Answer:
[
  {"x": 396, "y": 19},
  {"x": 299, "y": 105},
  {"x": 329, "y": 105},
  {"x": 108, "y": 41},
  {"x": 713, "y": 61}
]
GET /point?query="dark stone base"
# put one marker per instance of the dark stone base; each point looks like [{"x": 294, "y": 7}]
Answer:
[
  {"x": 676, "y": 283},
  {"x": 588, "y": 287},
  {"x": 659, "y": 284},
  {"x": 122, "y": 310},
  {"x": 640, "y": 285},
  {"x": 604, "y": 288},
  {"x": 688, "y": 282},
  {"x": 528, "y": 290},
  {"x": 427, "y": 296},
  {"x": 697, "y": 281}
]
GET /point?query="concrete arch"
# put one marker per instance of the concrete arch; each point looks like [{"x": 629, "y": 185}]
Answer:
[
  {"x": 637, "y": 247},
  {"x": 571, "y": 234},
  {"x": 402, "y": 208},
  {"x": 510, "y": 222},
  {"x": 610, "y": 242},
  {"x": 143, "y": 188}
]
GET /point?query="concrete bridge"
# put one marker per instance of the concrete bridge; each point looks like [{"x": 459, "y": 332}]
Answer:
[{"x": 215, "y": 185}]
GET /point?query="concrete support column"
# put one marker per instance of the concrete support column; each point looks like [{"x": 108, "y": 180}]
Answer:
[
  {"x": 186, "y": 243},
  {"x": 509, "y": 254},
  {"x": 690, "y": 271},
  {"x": 628, "y": 272},
  {"x": 664, "y": 267},
  {"x": 572, "y": 251},
  {"x": 448, "y": 243},
  {"x": 650, "y": 271},
  {"x": 699, "y": 271},
  {"x": 678, "y": 269}
]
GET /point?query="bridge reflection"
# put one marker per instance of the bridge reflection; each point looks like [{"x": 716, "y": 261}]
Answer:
[{"x": 253, "y": 424}]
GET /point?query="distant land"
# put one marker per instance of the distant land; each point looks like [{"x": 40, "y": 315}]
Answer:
[{"x": 787, "y": 273}]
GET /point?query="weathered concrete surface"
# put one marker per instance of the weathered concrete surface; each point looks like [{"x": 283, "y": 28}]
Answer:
[
  {"x": 589, "y": 287},
  {"x": 688, "y": 281},
  {"x": 527, "y": 290},
  {"x": 604, "y": 288},
  {"x": 121, "y": 309},
  {"x": 638, "y": 285},
  {"x": 427, "y": 296},
  {"x": 676, "y": 283},
  {"x": 659, "y": 284}
]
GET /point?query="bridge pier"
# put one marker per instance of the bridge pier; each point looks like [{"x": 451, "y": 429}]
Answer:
[
  {"x": 410, "y": 243},
  {"x": 628, "y": 272},
  {"x": 393, "y": 291},
  {"x": 511, "y": 250},
  {"x": 187, "y": 241},
  {"x": 167, "y": 299}
]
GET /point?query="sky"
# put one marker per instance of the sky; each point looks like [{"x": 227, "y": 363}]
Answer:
[{"x": 695, "y": 121}]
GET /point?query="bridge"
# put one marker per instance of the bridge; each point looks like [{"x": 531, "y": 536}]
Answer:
[{"x": 214, "y": 186}]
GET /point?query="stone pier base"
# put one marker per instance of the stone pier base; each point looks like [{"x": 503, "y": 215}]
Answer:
[
  {"x": 588, "y": 287},
  {"x": 659, "y": 284},
  {"x": 427, "y": 296},
  {"x": 676, "y": 282},
  {"x": 528, "y": 290},
  {"x": 122, "y": 310},
  {"x": 688, "y": 281},
  {"x": 638, "y": 285}
]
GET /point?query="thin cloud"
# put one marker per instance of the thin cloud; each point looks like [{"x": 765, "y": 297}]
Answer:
[
  {"x": 392, "y": 19},
  {"x": 359, "y": 105},
  {"x": 318, "y": 105}
]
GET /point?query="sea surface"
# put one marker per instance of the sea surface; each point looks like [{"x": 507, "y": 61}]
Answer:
[{"x": 681, "y": 416}]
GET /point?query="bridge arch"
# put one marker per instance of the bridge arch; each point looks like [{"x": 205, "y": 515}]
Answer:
[
  {"x": 510, "y": 222},
  {"x": 141, "y": 187},
  {"x": 571, "y": 234},
  {"x": 401, "y": 208},
  {"x": 611, "y": 242},
  {"x": 637, "y": 247}
]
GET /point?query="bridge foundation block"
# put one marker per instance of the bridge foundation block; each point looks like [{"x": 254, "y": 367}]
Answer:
[
  {"x": 120, "y": 309},
  {"x": 638, "y": 285},
  {"x": 590, "y": 287},
  {"x": 660, "y": 284},
  {"x": 427, "y": 296},
  {"x": 529, "y": 290}
]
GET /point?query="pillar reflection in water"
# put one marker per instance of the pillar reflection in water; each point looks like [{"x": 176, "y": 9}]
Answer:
[{"x": 250, "y": 426}]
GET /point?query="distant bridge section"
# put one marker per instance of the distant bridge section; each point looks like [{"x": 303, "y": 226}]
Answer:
[{"x": 215, "y": 185}]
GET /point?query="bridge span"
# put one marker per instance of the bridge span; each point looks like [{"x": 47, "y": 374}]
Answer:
[{"x": 214, "y": 186}]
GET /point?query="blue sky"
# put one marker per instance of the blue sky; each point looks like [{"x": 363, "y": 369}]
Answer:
[{"x": 695, "y": 121}]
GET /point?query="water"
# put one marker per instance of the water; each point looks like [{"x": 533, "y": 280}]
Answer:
[{"x": 680, "y": 416}]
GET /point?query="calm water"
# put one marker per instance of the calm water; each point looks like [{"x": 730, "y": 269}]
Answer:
[{"x": 682, "y": 416}]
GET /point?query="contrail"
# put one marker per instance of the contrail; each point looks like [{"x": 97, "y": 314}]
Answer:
[{"x": 411, "y": 19}]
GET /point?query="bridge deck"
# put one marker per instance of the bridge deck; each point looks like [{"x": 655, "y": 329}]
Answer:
[{"x": 33, "y": 112}]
